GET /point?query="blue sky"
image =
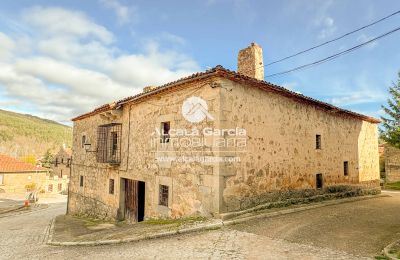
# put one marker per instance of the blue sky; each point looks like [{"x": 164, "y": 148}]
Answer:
[{"x": 59, "y": 59}]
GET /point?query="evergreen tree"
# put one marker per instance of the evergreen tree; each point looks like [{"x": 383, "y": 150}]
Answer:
[
  {"x": 391, "y": 123},
  {"x": 47, "y": 159}
]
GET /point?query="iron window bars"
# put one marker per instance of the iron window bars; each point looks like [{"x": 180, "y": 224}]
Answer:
[{"x": 109, "y": 143}]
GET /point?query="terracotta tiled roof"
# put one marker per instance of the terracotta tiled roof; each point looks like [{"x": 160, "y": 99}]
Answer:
[
  {"x": 234, "y": 76},
  {"x": 9, "y": 164}
]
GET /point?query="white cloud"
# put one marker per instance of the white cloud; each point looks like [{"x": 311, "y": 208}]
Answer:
[
  {"x": 68, "y": 68},
  {"x": 328, "y": 28},
  {"x": 124, "y": 13},
  {"x": 57, "y": 21},
  {"x": 7, "y": 46}
]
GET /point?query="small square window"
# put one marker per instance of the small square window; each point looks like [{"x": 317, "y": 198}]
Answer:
[
  {"x": 81, "y": 181},
  {"x": 163, "y": 195},
  {"x": 165, "y": 127},
  {"x": 346, "y": 168},
  {"x": 111, "y": 186},
  {"x": 318, "y": 142}
]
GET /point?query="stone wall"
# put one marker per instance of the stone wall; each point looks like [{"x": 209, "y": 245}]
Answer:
[
  {"x": 281, "y": 151},
  {"x": 392, "y": 163},
  {"x": 250, "y": 62},
  {"x": 280, "y": 159},
  {"x": 193, "y": 187},
  {"x": 16, "y": 182}
]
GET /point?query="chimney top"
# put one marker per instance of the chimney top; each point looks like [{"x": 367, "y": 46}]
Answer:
[
  {"x": 149, "y": 88},
  {"x": 250, "y": 61}
]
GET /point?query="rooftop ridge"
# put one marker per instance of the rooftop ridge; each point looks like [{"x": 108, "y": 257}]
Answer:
[{"x": 233, "y": 75}]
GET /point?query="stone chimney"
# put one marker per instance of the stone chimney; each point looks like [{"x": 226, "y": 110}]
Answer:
[
  {"x": 250, "y": 62},
  {"x": 149, "y": 88}
]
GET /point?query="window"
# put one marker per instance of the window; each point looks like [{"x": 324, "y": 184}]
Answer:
[
  {"x": 81, "y": 181},
  {"x": 1, "y": 179},
  {"x": 60, "y": 173},
  {"x": 109, "y": 143},
  {"x": 68, "y": 163},
  {"x": 83, "y": 141},
  {"x": 319, "y": 182},
  {"x": 59, "y": 187},
  {"x": 114, "y": 143},
  {"x": 346, "y": 168},
  {"x": 163, "y": 195},
  {"x": 111, "y": 186},
  {"x": 318, "y": 142},
  {"x": 165, "y": 127},
  {"x": 50, "y": 188}
]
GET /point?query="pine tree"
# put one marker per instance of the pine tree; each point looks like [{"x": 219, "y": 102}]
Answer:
[
  {"x": 47, "y": 159},
  {"x": 391, "y": 123}
]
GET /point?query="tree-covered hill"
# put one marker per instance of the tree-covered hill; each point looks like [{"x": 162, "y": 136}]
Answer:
[{"x": 24, "y": 135}]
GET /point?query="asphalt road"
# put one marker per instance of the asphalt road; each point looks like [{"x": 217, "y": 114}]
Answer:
[{"x": 315, "y": 234}]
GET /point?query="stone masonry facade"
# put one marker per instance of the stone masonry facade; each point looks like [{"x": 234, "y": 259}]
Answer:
[
  {"x": 278, "y": 160},
  {"x": 392, "y": 163}
]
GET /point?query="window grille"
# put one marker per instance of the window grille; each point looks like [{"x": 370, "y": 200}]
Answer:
[
  {"x": 163, "y": 195},
  {"x": 109, "y": 143}
]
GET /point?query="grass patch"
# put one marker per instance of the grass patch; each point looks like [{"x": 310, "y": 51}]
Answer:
[
  {"x": 393, "y": 185},
  {"x": 178, "y": 221},
  {"x": 381, "y": 257},
  {"x": 89, "y": 222}
]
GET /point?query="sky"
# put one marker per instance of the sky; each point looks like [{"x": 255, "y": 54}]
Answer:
[{"x": 59, "y": 59}]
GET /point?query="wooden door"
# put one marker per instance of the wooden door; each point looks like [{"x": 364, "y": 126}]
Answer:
[{"x": 131, "y": 200}]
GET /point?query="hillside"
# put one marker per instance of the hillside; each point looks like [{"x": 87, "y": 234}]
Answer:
[{"x": 22, "y": 135}]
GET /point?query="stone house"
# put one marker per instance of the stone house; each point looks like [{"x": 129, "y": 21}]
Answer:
[{"x": 215, "y": 142}]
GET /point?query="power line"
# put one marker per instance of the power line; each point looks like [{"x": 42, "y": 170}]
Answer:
[
  {"x": 334, "y": 56},
  {"x": 333, "y": 40}
]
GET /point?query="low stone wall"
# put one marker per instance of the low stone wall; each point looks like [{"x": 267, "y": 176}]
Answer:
[
  {"x": 303, "y": 196},
  {"x": 80, "y": 205}
]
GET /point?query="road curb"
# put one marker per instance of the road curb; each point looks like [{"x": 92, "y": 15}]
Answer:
[
  {"x": 207, "y": 227},
  {"x": 11, "y": 210}
]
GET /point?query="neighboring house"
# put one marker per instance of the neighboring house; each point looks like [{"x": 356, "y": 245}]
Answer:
[
  {"x": 214, "y": 142},
  {"x": 392, "y": 163},
  {"x": 62, "y": 162},
  {"x": 61, "y": 169},
  {"x": 17, "y": 176}
]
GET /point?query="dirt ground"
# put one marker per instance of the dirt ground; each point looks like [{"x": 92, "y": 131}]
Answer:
[{"x": 361, "y": 228}]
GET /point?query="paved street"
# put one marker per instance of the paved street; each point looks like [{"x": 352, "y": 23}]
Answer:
[{"x": 22, "y": 236}]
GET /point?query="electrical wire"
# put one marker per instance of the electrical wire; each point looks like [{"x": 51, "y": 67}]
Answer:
[
  {"x": 333, "y": 40},
  {"x": 334, "y": 56}
]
